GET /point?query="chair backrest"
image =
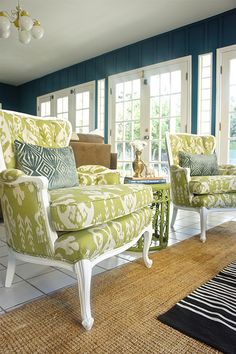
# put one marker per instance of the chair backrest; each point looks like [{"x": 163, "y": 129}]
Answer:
[
  {"x": 46, "y": 132},
  {"x": 192, "y": 143}
]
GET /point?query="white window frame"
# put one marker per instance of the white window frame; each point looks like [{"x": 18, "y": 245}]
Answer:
[
  {"x": 138, "y": 73},
  {"x": 199, "y": 113},
  {"x": 219, "y": 103},
  {"x": 70, "y": 92}
]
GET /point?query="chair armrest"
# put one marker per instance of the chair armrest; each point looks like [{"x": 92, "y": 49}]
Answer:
[
  {"x": 95, "y": 174},
  {"x": 227, "y": 169},
  {"x": 26, "y": 213},
  {"x": 180, "y": 178}
]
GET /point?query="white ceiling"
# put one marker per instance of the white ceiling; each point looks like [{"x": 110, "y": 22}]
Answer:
[{"x": 76, "y": 30}]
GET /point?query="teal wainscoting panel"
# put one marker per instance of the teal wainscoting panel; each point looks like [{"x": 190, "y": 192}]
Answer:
[
  {"x": 121, "y": 60},
  {"x": 196, "y": 38},
  {"x": 212, "y": 35},
  {"x": 100, "y": 67},
  {"x": 134, "y": 56},
  {"x": 148, "y": 50},
  {"x": 178, "y": 44},
  {"x": 9, "y": 97},
  {"x": 228, "y": 28},
  {"x": 162, "y": 48},
  {"x": 90, "y": 70}
]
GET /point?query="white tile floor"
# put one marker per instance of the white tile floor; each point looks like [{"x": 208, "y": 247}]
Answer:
[{"x": 34, "y": 281}]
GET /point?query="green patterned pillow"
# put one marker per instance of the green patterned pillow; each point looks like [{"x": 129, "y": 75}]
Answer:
[
  {"x": 57, "y": 164},
  {"x": 200, "y": 165}
]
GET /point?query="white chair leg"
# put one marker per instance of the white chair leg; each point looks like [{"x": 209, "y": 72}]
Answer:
[
  {"x": 203, "y": 221},
  {"x": 174, "y": 215},
  {"x": 11, "y": 266},
  {"x": 83, "y": 270},
  {"x": 147, "y": 242}
]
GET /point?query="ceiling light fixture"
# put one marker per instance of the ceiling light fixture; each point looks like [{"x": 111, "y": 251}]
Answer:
[{"x": 27, "y": 27}]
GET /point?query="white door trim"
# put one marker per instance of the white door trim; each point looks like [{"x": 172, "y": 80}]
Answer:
[{"x": 219, "y": 60}]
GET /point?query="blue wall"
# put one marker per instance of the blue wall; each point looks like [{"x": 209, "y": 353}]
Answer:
[
  {"x": 9, "y": 97},
  {"x": 197, "y": 38}
]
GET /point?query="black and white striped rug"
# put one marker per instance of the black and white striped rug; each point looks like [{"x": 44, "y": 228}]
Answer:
[{"x": 209, "y": 313}]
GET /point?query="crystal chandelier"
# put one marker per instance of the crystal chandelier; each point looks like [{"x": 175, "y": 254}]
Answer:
[{"x": 26, "y": 26}]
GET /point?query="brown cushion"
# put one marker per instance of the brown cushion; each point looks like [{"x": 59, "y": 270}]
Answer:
[
  {"x": 90, "y": 138},
  {"x": 91, "y": 154}
]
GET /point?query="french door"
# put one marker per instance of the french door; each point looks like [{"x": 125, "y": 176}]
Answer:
[
  {"x": 77, "y": 104},
  {"x": 226, "y": 131},
  {"x": 145, "y": 105}
]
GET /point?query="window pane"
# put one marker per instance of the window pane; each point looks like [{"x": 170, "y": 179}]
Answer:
[
  {"x": 232, "y": 152},
  {"x": 128, "y": 90},
  {"x": 155, "y": 128},
  {"x": 155, "y": 107},
  {"x": 136, "y": 88},
  {"x": 165, "y": 83},
  {"x": 155, "y": 85},
  {"x": 79, "y": 101},
  {"x": 233, "y": 125},
  {"x": 176, "y": 81},
  {"x": 86, "y": 99}
]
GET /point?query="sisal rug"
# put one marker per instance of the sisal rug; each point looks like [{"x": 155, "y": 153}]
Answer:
[
  {"x": 209, "y": 312},
  {"x": 125, "y": 303}
]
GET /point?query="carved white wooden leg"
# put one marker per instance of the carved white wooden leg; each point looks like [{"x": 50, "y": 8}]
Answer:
[
  {"x": 174, "y": 215},
  {"x": 83, "y": 270},
  {"x": 203, "y": 221},
  {"x": 147, "y": 242},
  {"x": 10, "y": 270}
]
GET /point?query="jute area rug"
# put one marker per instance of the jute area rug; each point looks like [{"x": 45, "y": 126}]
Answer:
[{"x": 125, "y": 304}]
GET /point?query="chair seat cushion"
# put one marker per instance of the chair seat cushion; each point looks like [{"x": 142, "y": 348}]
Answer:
[
  {"x": 212, "y": 184},
  {"x": 92, "y": 242},
  {"x": 81, "y": 207}
]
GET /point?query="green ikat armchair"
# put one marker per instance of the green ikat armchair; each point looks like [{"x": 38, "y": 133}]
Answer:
[
  {"x": 73, "y": 227},
  {"x": 200, "y": 193}
]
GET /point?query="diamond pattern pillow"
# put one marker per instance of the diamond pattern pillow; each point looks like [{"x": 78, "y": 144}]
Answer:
[
  {"x": 57, "y": 164},
  {"x": 199, "y": 164}
]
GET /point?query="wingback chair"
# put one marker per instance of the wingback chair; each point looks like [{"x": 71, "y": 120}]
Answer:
[
  {"x": 74, "y": 227},
  {"x": 202, "y": 194}
]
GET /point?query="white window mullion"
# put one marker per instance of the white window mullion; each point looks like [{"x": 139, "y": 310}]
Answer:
[{"x": 204, "y": 93}]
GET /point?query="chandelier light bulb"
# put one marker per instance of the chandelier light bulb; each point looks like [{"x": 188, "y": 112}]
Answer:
[
  {"x": 37, "y": 31},
  {"x": 24, "y": 37},
  {"x": 26, "y": 22},
  {"x": 4, "y": 34},
  {"x": 4, "y": 22}
]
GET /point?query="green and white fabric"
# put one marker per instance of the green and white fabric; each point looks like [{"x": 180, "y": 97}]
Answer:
[
  {"x": 96, "y": 174},
  {"x": 24, "y": 219},
  {"x": 212, "y": 184},
  {"x": 17, "y": 126},
  {"x": 56, "y": 164},
  {"x": 92, "y": 242},
  {"x": 79, "y": 208}
]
